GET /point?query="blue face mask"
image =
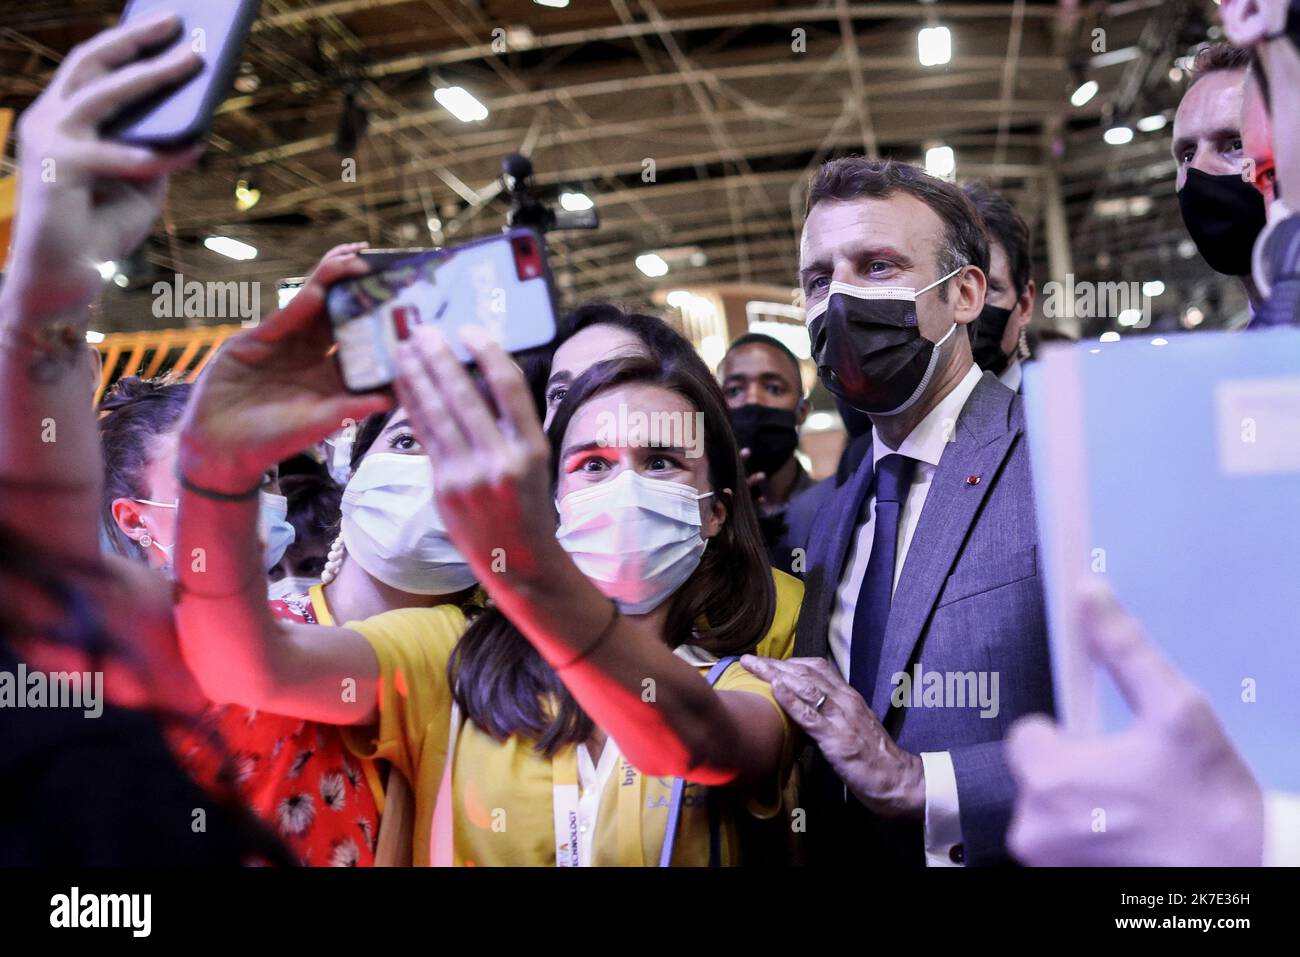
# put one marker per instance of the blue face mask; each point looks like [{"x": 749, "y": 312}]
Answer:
[
  {"x": 276, "y": 532},
  {"x": 272, "y": 526}
]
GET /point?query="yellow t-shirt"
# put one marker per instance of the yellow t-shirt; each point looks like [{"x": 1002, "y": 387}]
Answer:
[
  {"x": 779, "y": 640},
  {"x": 502, "y": 792}
]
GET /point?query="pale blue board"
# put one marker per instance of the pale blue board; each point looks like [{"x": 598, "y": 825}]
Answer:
[{"x": 1207, "y": 560}]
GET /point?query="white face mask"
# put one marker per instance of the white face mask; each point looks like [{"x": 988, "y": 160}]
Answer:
[
  {"x": 392, "y": 529},
  {"x": 638, "y": 539}
]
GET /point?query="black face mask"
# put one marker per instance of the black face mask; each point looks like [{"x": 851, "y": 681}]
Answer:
[
  {"x": 771, "y": 436},
  {"x": 869, "y": 350},
  {"x": 1224, "y": 215},
  {"x": 986, "y": 339}
]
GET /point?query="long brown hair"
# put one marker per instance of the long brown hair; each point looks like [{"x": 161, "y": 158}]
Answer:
[{"x": 501, "y": 682}]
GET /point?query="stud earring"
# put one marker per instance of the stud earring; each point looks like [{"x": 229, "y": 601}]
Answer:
[{"x": 146, "y": 540}]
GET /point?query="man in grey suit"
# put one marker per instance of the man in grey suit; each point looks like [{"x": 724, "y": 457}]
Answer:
[{"x": 922, "y": 636}]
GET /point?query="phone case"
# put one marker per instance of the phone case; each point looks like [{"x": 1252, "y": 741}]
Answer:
[
  {"x": 501, "y": 283},
  {"x": 183, "y": 114}
]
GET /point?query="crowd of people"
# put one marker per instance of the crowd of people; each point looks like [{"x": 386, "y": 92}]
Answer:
[{"x": 455, "y": 623}]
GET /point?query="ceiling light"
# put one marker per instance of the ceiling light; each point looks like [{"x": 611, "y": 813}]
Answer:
[
  {"x": 94, "y": 337},
  {"x": 107, "y": 270},
  {"x": 679, "y": 298},
  {"x": 1118, "y": 135},
  {"x": 1084, "y": 92},
  {"x": 1156, "y": 121},
  {"x": 1160, "y": 341},
  {"x": 1153, "y": 288},
  {"x": 1129, "y": 317},
  {"x": 460, "y": 103},
  {"x": 232, "y": 248},
  {"x": 576, "y": 202},
  {"x": 1193, "y": 317},
  {"x": 557, "y": 4},
  {"x": 246, "y": 197},
  {"x": 1111, "y": 336},
  {"x": 652, "y": 264},
  {"x": 934, "y": 46},
  {"x": 940, "y": 161}
]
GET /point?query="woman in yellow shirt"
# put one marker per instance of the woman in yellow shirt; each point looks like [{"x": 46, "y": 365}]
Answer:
[{"x": 677, "y": 578}]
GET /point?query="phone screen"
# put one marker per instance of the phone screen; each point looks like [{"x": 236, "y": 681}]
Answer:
[{"x": 500, "y": 284}]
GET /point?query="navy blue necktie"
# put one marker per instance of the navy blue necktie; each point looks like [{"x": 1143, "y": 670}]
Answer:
[{"x": 871, "y": 615}]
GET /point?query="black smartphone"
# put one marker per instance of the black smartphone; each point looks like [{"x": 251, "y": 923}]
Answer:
[
  {"x": 501, "y": 283},
  {"x": 182, "y": 114}
]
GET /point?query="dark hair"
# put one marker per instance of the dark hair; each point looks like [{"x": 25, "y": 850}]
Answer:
[
  {"x": 660, "y": 339},
  {"x": 133, "y": 414},
  {"x": 314, "y": 504},
  {"x": 856, "y": 177},
  {"x": 1216, "y": 57},
  {"x": 1005, "y": 227},
  {"x": 760, "y": 339},
  {"x": 505, "y": 687},
  {"x": 370, "y": 429}
]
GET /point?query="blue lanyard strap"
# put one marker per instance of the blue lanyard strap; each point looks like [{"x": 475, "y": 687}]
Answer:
[{"x": 679, "y": 788}]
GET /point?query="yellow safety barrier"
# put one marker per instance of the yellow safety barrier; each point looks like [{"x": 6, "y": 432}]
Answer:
[{"x": 183, "y": 352}]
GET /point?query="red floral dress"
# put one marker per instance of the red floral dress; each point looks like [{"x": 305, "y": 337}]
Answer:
[{"x": 297, "y": 776}]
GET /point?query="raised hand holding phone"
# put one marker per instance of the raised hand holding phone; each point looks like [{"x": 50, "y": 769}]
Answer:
[
  {"x": 491, "y": 466},
  {"x": 274, "y": 389},
  {"x": 84, "y": 199}
]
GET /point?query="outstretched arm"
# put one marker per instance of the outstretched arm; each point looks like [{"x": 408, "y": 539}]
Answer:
[
  {"x": 83, "y": 200},
  {"x": 270, "y": 392}
]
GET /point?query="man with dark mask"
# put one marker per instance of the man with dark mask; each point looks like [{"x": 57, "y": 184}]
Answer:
[
  {"x": 998, "y": 340},
  {"x": 1270, "y": 30},
  {"x": 1223, "y": 213},
  {"x": 764, "y": 391},
  {"x": 922, "y": 567}
]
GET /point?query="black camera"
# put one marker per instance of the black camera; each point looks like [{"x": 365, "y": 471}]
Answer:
[{"x": 527, "y": 210}]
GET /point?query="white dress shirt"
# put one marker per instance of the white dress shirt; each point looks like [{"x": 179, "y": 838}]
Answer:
[
  {"x": 1012, "y": 375},
  {"x": 925, "y": 444}
]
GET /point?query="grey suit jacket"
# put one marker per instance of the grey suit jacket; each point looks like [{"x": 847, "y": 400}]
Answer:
[{"x": 969, "y": 599}]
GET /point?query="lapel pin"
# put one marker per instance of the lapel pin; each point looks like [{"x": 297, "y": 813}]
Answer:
[{"x": 972, "y": 480}]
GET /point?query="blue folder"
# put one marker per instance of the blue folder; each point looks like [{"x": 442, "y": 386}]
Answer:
[{"x": 1171, "y": 467}]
